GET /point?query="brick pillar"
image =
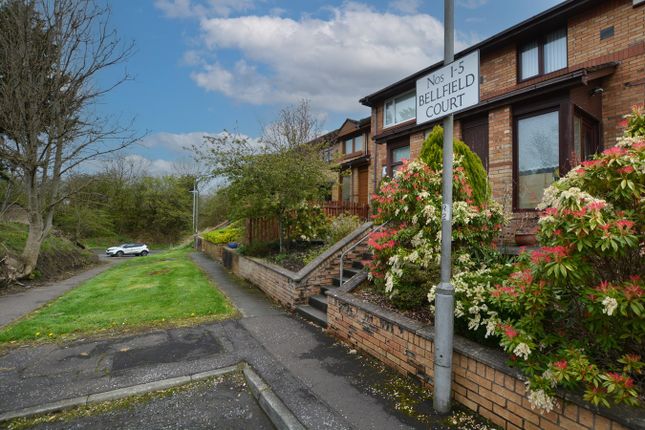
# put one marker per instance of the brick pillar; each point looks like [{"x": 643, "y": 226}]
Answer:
[{"x": 500, "y": 153}]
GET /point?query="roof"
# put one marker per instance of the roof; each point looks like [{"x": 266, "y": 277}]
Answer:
[{"x": 548, "y": 17}]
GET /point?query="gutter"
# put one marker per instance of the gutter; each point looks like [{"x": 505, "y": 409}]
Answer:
[
  {"x": 526, "y": 26},
  {"x": 553, "y": 84}
]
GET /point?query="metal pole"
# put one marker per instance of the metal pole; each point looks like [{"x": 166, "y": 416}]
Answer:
[
  {"x": 445, "y": 295},
  {"x": 194, "y": 195}
]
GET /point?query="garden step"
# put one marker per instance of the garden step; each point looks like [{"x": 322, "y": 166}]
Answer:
[
  {"x": 359, "y": 264},
  {"x": 319, "y": 302},
  {"x": 327, "y": 287},
  {"x": 312, "y": 314},
  {"x": 336, "y": 280},
  {"x": 347, "y": 272}
]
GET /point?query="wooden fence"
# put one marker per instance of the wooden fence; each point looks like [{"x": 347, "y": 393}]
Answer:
[
  {"x": 266, "y": 229},
  {"x": 334, "y": 209}
]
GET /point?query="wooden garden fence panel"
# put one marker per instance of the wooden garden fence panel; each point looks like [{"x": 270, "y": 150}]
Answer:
[{"x": 267, "y": 229}]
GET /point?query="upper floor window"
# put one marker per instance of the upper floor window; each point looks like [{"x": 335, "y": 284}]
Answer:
[
  {"x": 543, "y": 56},
  {"x": 354, "y": 144},
  {"x": 328, "y": 154},
  {"x": 399, "y": 109}
]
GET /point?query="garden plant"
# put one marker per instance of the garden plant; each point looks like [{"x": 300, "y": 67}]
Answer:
[
  {"x": 407, "y": 249},
  {"x": 575, "y": 308},
  {"x": 571, "y": 314}
]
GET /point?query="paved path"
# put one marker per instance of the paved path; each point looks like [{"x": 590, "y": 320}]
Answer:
[
  {"x": 14, "y": 306},
  {"x": 320, "y": 381}
]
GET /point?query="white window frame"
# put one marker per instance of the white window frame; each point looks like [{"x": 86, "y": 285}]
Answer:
[{"x": 392, "y": 99}]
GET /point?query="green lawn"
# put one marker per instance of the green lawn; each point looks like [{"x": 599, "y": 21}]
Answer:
[{"x": 164, "y": 289}]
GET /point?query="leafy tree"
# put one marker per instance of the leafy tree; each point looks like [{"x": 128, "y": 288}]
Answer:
[
  {"x": 50, "y": 54},
  {"x": 270, "y": 178}
]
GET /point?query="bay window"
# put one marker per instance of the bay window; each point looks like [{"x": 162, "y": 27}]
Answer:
[
  {"x": 397, "y": 155},
  {"x": 538, "y": 156}
]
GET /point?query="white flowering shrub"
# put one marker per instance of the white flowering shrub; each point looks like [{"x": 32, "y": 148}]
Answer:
[
  {"x": 407, "y": 251},
  {"x": 574, "y": 310}
]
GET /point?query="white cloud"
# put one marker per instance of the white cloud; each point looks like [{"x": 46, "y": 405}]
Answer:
[
  {"x": 174, "y": 142},
  {"x": 471, "y": 4},
  {"x": 203, "y": 8},
  {"x": 332, "y": 62},
  {"x": 152, "y": 167},
  {"x": 406, "y": 6}
]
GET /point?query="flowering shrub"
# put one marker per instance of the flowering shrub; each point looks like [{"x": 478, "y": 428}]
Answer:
[
  {"x": 307, "y": 222},
  {"x": 575, "y": 308},
  {"x": 407, "y": 250},
  {"x": 634, "y": 122}
]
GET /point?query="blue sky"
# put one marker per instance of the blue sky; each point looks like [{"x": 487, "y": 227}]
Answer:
[{"x": 203, "y": 66}]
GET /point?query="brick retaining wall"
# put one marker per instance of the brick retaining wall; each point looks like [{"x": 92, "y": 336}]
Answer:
[
  {"x": 284, "y": 286},
  {"x": 481, "y": 379}
]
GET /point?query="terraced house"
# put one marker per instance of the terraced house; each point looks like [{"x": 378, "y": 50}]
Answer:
[{"x": 553, "y": 90}]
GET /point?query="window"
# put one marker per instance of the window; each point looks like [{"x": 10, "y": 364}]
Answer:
[
  {"x": 328, "y": 154},
  {"x": 400, "y": 109},
  {"x": 538, "y": 159},
  {"x": 543, "y": 56},
  {"x": 585, "y": 138},
  {"x": 397, "y": 155},
  {"x": 354, "y": 144}
]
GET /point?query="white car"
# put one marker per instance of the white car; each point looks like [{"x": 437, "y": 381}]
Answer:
[{"x": 128, "y": 249}]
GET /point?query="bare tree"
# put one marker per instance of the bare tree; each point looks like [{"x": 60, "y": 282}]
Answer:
[{"x": 51, "y": 52}]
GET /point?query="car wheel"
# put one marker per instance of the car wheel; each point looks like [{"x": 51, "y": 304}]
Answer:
[
  {"x": 144, "y": 253},
  {"x": 119, "y": 254}
]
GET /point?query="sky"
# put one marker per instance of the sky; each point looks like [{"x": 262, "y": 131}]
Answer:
[{"x": 205, "y": 66}]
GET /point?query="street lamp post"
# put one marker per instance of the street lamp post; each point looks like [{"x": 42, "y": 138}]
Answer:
[{"x": 445, "y": 295}]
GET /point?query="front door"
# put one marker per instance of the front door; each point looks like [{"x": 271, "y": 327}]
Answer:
[
  {"x": 362, "y": 184},
  {"x": 475, "y": 134}
]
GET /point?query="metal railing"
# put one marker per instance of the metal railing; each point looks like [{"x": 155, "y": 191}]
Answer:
[{"x": 351, "y": 248}]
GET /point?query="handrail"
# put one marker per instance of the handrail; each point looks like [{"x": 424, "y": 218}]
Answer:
[{"x": 342, "y": 256}]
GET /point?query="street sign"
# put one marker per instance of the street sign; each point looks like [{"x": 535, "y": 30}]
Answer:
[{"x": 450, "y": 89}]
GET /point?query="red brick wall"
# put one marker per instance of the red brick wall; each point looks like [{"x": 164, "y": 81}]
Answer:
[
  {"x": 494, "y": 392},
  {"x": 498, "y": 70},
  {"x": 627, "y": 46},
  {"x": 281, "y": 285}
]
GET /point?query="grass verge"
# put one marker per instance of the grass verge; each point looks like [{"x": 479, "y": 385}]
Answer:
[{"x": 166, "y": 289}]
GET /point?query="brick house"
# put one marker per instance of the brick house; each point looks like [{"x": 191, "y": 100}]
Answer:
[
  {"x": 553, "y": 89},
  {"x": 353, "y": 152}
]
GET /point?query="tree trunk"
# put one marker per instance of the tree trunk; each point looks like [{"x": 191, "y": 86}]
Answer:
[
  {"x": 281, "y": 234},
  {"x": 29, "y": 258}
]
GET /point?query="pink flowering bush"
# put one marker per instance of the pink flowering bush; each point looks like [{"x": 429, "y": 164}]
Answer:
[
  {"x": 407, "y": 250},
  {"x": 574, "y": 310}
]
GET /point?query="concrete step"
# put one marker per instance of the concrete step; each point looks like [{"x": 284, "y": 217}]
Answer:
[
  {"x": 319, "y": 302},
  {"x": 327, "y": 287},
  {"x": 348, "y": 273},
  {"x": 358, "y": 264},
  {"x": 312, "y": 314},
  {"x": 336, "y": 280}
]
